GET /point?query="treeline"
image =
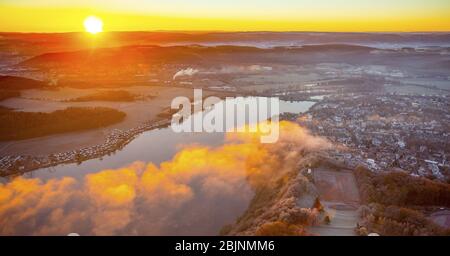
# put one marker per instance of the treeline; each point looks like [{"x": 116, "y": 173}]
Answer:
[
  {"x": 10, "y": 86},
  {"x": 394, "y": 202},
  {"x": 119, "y": 95},
  {"x": 167, "y": 113},
  {"x": 279, "y": 228},
  {"x": 25, "y": 125},
  {"x": 402, "y": 189}
]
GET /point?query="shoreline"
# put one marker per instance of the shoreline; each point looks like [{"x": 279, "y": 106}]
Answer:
[
  {"x": 11, "y": 166},
  {"x": 16, "y": 165}
]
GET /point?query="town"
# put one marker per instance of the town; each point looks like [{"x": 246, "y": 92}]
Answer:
[
  {"x": 385, "y": 131},
  {"x": 117, "y": 139}
]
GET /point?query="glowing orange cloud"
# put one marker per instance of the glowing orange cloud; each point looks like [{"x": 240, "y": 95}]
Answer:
[
  {"x": 179, "y": 196},
  {"x": 343, "y": 15}
]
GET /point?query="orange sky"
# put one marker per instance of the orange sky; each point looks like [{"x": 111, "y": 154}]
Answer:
[{"x": 231, "y": 15}]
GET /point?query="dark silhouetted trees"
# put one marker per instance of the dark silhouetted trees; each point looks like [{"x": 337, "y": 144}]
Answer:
[
  {"x": 24, "y": 125},
  {"x": 119, "y": 95},
  {"x": 399, "y": 188}
]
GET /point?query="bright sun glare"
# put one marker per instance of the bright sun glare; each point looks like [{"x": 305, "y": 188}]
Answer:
[{"x": 93, "y": 25}]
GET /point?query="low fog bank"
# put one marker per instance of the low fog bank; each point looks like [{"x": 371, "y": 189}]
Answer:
[{"x": 195, "y": 193}]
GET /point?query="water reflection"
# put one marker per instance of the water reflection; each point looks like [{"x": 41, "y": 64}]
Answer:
[
  {"x": 218, "y": 196},
  {"x": 155, "y": 146}
]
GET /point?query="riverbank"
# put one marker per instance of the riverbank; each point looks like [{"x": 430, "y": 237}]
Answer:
[
  {"x": 116, "y": 140},
  {"x": 137, "y": 113}
]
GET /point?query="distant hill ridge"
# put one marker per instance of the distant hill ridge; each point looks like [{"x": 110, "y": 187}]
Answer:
[{"x": 151, "y": 53}]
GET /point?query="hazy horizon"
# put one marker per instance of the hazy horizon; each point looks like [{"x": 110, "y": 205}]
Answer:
[
  {"x": 225, "y": 118},
  {"x": 200, "y": 15}
]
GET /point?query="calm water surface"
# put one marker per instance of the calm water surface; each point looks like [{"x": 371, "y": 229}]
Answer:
[{"x": 155, "y": 146}]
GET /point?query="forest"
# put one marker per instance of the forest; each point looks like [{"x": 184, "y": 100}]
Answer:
[
  {"x": 18, "y": 125},
  {"x": 400, "y": 188},
  {"x": 119, "y": 95}
]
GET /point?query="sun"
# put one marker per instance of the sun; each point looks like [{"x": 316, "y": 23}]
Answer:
[{"x": 93, "y": 25}]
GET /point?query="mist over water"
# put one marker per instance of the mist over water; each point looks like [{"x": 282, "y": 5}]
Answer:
[
  {"x": 154, "y": 146},
  {"x": 162, "y": 183}
]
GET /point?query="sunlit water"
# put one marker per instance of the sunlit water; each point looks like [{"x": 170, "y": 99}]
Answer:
[
  {"x": 161, "y": 145},
  {"x": 155, "y": 146}
]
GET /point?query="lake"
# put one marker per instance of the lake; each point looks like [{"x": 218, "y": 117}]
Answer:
[
  {"x": 155, "y": 146},
  {"x": 203, "y": 214}
]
